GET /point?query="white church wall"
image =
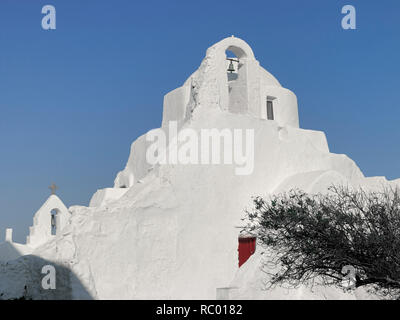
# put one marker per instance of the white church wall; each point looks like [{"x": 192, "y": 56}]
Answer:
[
  {"x": 312, "y": 181},
  {"x": 174, "y": 235},
  {"x": 247, "y": 94},
  {"x": 136, "y": 167},
  {"x": 250, "y": 284},
  {"x": 267, "y": 78},
  {"x": 316, "y": 138},
  {"x": 284, "y": 105},
  {"x": 175, "y": 103},
  {"x": 255, "y": 83},
  {"x": 40, "y": 232},
  {"x": 210, "y": 83},
  {"x": 107, "y": 195}
]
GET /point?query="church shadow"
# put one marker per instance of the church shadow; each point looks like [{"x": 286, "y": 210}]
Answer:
[{"x": 29, "y": 277}]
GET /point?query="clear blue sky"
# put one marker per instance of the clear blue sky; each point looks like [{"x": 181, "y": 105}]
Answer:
[{"x": 72, "y": 100}]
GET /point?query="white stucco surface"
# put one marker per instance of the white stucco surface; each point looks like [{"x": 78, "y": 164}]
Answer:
[
  {"x": 107, "y": 195},
  {"x": 170, "y": 231},
  {"x": 40, "y": 232}
]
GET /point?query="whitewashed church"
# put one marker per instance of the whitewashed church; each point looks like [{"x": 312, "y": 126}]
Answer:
[{"x": 171, "y": 231}]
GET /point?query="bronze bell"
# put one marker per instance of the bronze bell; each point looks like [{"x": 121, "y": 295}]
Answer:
[{"x": 231, "y": 68}]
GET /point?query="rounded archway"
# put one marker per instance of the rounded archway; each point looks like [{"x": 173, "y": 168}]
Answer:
[
  {"x": 239, "y": 47},
  {"x": 238, "y": 55}
]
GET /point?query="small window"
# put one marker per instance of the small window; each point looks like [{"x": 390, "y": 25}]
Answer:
[{"x": 270, "y": 110}]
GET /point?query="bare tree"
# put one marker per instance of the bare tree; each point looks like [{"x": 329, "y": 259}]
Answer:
[{"x": 320, "y": 236}]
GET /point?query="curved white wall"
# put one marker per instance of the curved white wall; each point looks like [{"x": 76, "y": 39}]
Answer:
[{"x": 284, "y": 104}]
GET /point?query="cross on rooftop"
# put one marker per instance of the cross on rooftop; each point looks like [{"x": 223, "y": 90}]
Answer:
[{"x": 53, "y": 188}]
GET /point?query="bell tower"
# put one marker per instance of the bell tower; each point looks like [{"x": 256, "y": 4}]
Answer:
[{"x": 231, "y": 79}]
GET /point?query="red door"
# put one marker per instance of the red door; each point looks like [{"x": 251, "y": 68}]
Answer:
[{"x": 247, "y": 246}]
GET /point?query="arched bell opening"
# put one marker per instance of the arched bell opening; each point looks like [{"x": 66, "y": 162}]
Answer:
[
  {"x": 55, "y": 221},
  {"x": 236, "y": 79}
]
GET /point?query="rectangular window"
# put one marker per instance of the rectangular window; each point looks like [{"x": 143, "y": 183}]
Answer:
[{"x": 270, "y": 110}]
